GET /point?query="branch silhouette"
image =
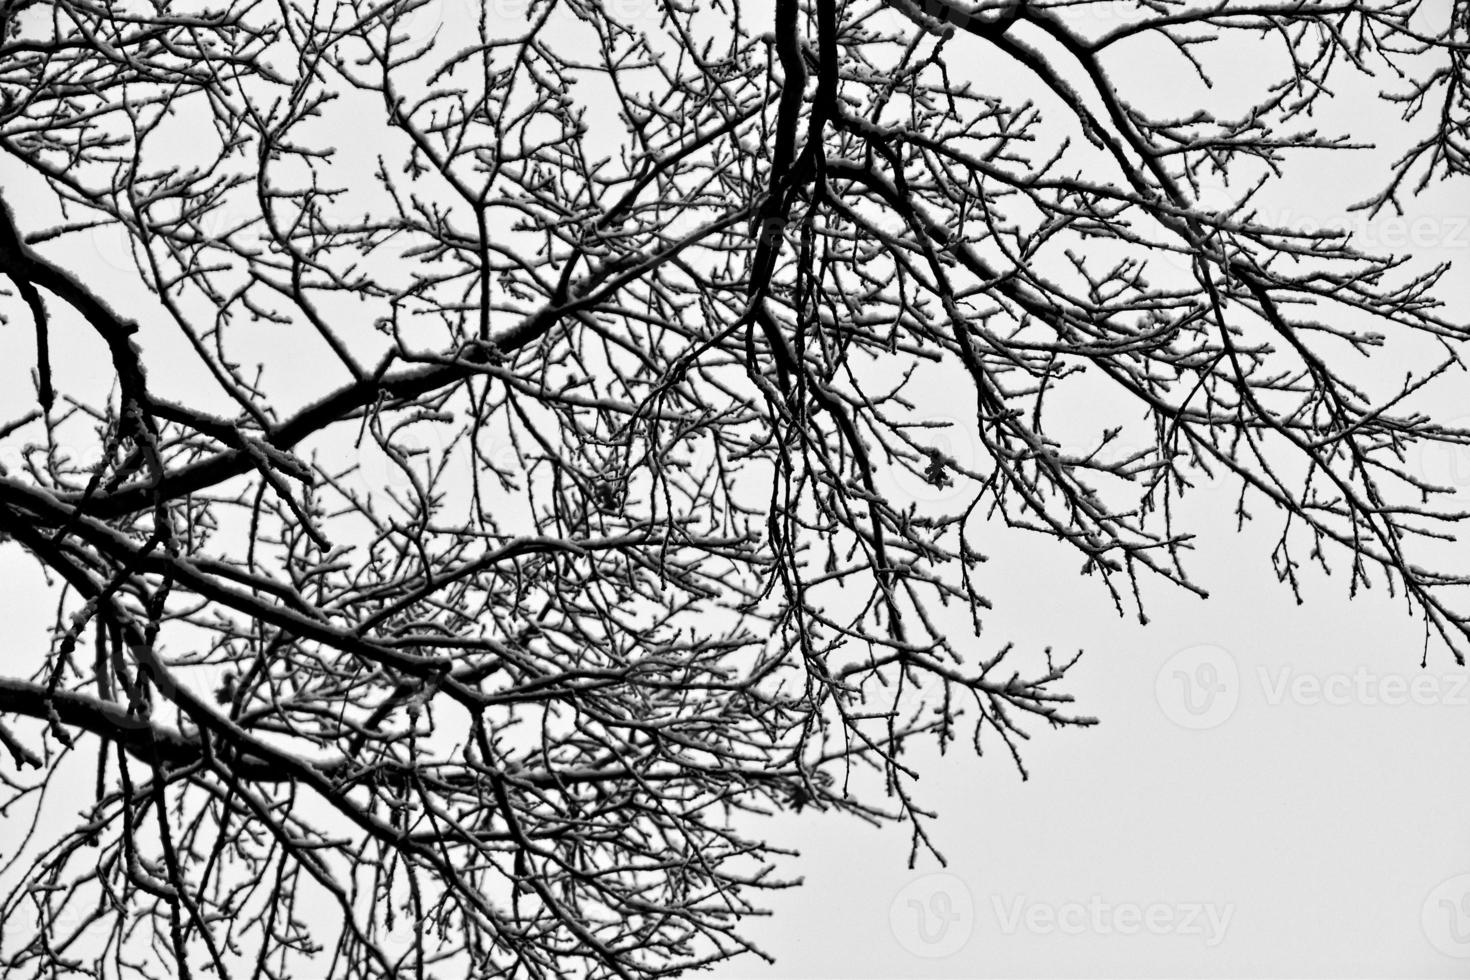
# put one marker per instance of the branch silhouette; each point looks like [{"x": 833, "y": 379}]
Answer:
[{"x": 522, "y": 449}]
